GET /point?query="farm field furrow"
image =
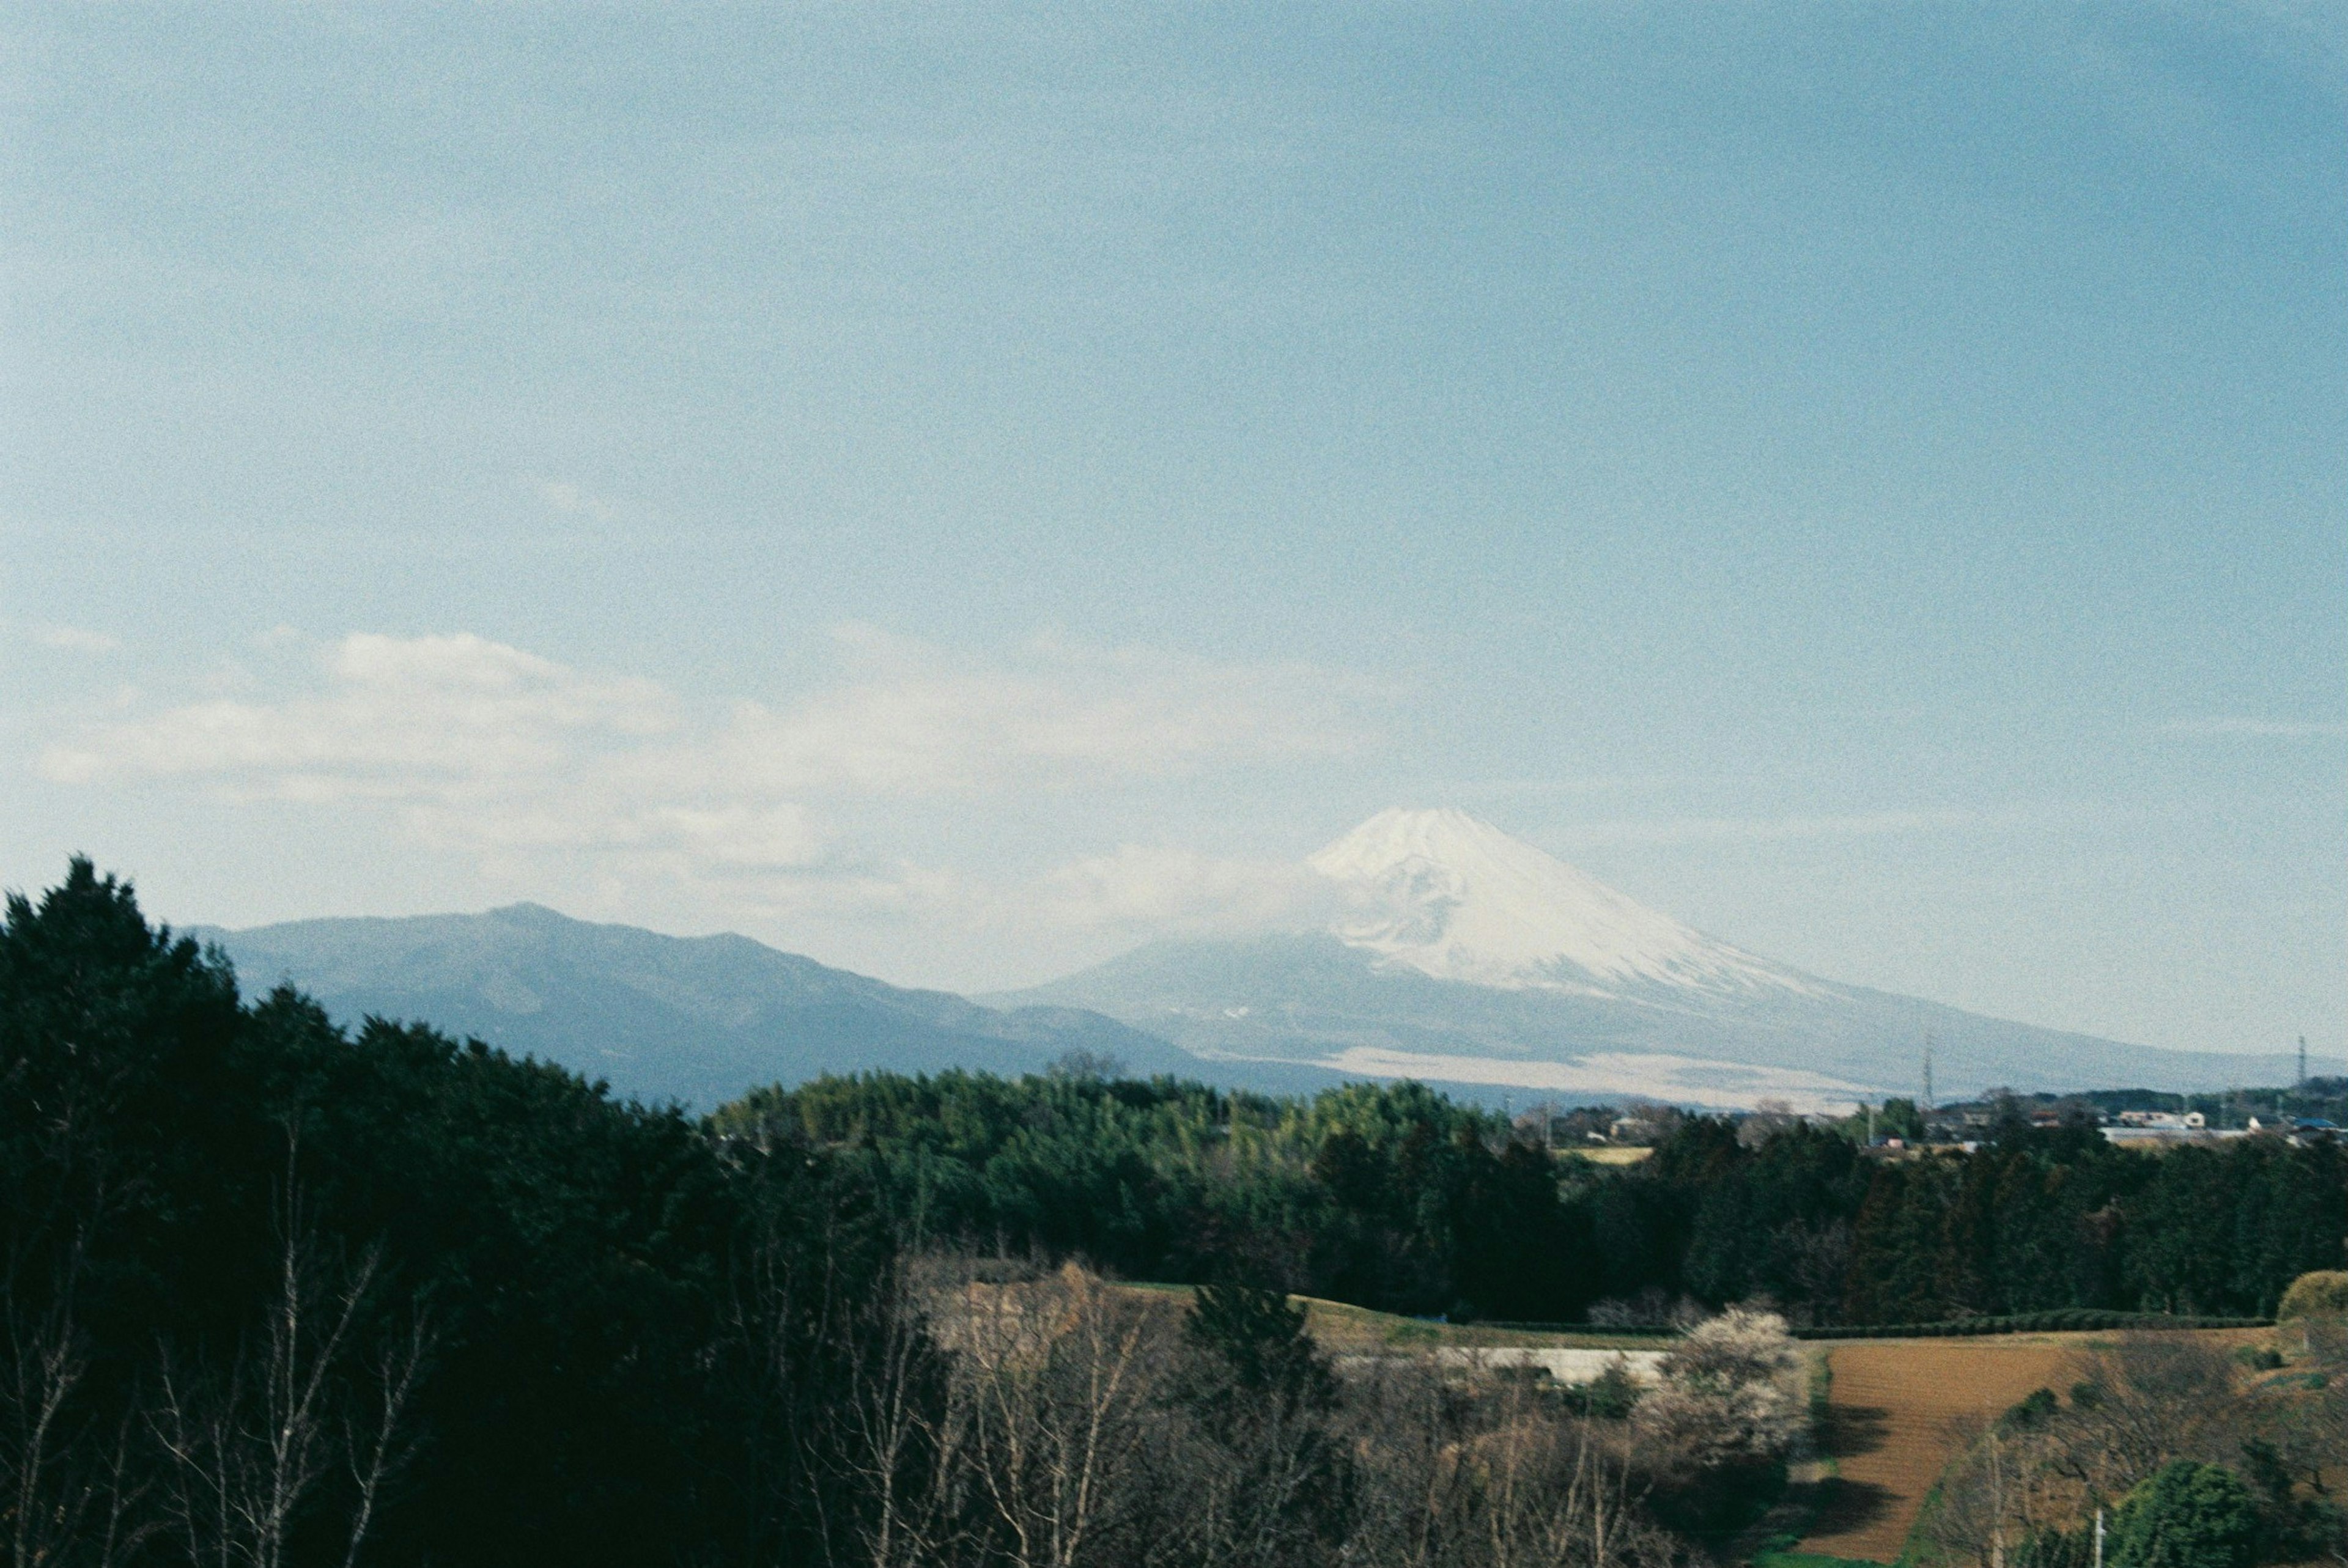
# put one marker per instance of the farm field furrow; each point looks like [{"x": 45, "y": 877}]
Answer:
[{"x": 1888, "y": 1428}]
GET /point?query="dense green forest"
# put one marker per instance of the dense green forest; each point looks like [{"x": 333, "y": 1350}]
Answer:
[
  {"x": 594, "y": 1329},
  {"x": 1398, "y": 1198},
  {"x": 273, "y": 1286}
]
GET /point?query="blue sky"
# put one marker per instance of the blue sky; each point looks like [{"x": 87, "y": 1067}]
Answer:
[{"x": 960, "y": 490}]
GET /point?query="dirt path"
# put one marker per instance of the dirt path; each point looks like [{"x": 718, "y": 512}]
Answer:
[{"x": 1887, "y": 1424}]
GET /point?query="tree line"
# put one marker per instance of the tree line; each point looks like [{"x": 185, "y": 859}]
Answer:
[{"x": 1398, "y": 1198}]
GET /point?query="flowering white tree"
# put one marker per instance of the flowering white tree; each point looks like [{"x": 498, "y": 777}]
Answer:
[{"x": 1727, "y": 1394}]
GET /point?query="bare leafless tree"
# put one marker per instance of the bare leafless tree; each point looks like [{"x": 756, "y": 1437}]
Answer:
[
  {"x": 902, "y": 1442},
  {"x": 1549, "y": 1489},
  {"x": 1047, "y": 1422},
  {"x": 67, "y": 1493},
  {"x": 73, "y": 1494},
  {"x": 1249, "y": 1466},
  {"x": 2141, "y": 1401},
  {"x": 1400, "y": 1417},
  {"x": 1999, "y": 1490},
  {"x": 378, "y": 1441},
  {"x": 250, "y": 1447},
  {"x": 2312, "y": 1423},
  {"x": 1470, "y": 1467},
  {"x": 46, "y": 1362},
  {"x": 1058, "y": 1383}
]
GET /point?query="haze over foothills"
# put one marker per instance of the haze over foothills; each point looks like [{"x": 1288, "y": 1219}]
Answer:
[
  {"x": 1449, "y": 954},
  {"x": 963, "y": 496}
]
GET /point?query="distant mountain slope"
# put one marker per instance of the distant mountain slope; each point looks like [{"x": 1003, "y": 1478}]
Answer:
[
  {"x": 1467, "y": 956},
  {"x": 1461, "y": 956},
  {"x": 698, "y": 1019}
]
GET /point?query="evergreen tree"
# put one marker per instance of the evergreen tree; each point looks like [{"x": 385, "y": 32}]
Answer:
[{"x": 2187, "y": 1515}]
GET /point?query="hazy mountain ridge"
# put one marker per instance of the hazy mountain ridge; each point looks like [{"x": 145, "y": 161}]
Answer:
[
  {"x": 1460, "y": 956},
  {"x": 1311, "y": 999},
  {"x": 696, "y": 1018}
]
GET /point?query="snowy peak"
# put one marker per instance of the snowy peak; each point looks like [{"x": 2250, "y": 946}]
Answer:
[
  {"x": 1538, "y": 976},
  {"x": 1454, "y": 897}
]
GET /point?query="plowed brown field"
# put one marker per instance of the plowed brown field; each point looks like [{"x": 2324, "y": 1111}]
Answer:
[{"x": 1889, "y": 1422}]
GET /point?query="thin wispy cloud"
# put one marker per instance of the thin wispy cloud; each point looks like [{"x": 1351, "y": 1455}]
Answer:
[
  {"x": 387, "y": 716},
  {"x": 1158, "y": 890},
  {"x": 76, "y": 639},
  {"x": 573, "y": 500},
  {"x": 1535, "y": 788},
  {"x": 480, "y": 747},
  {"x": 2273, "y": 728},
  {"x": 1764, "y": 829},
  {"x": 914, "y": 719}
]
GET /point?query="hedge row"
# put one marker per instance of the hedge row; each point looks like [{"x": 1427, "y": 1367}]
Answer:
[
  {"x": 2072, "y": 1318},
  {"x": 1606, "y": 1330}
]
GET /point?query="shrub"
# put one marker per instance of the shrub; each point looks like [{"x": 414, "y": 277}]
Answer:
[
  {"x": 2324, "y": 1292},
  {"x": 2188, "y": 1515},
  {"x": 2033, "y": 1412},
  {"x": 1610, "y": 1397},
  {"x": 1258, "y": 1342},
  {"x": 2051, "y": 1548}
]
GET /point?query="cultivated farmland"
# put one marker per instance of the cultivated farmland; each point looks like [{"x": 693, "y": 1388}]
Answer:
[{"x": 1888, "y": 1425}]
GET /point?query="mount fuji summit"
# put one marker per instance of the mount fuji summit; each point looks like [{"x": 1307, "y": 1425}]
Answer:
[
  {"x": 1456, "y": 899},
  {"x": 1459, "y": 955}
]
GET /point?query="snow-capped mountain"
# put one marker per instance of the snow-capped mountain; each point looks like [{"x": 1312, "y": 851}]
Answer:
[
  {"x": 1458, "y": 956},
  {"x": 1458, "y": 899},
  {"x": 1461, "y": 955}
]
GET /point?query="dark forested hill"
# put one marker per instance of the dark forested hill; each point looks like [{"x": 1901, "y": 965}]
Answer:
[{"x": 698, "y": 1020}]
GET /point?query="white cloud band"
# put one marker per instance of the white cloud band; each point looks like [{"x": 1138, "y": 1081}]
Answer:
[{"x": 481, "y": 747}]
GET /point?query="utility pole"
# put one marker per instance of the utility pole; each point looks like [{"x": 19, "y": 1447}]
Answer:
[
  {"x": 2302, "y": 1084},
  {"x": 1928, "y": 1069},
  {"x": 2099, "y": 1538}
]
